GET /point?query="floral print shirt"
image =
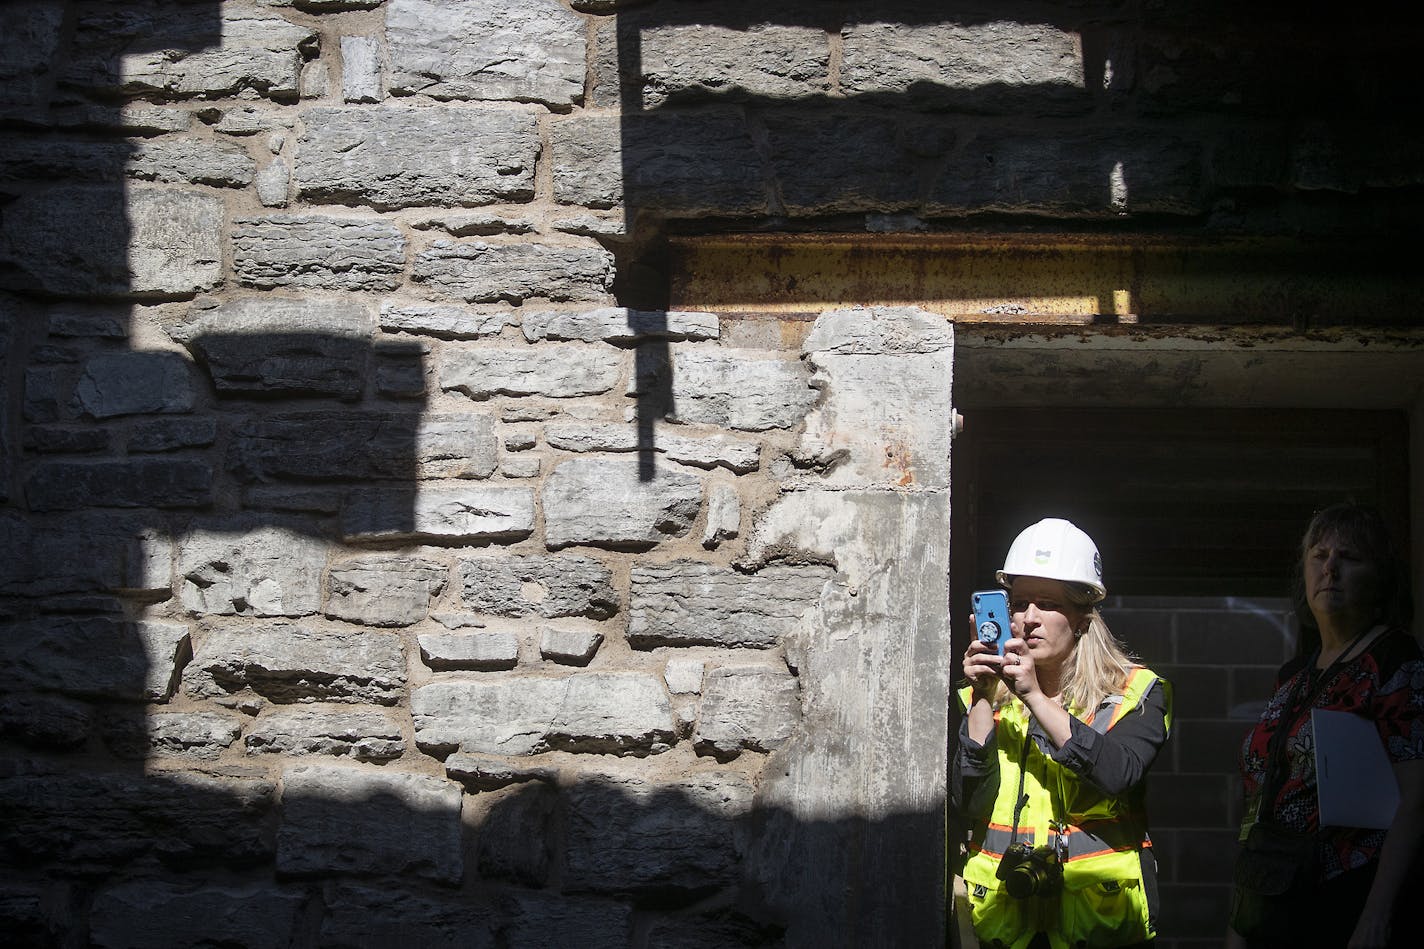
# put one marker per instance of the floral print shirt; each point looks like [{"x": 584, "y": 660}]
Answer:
[{"x": 1385, "y": 684}]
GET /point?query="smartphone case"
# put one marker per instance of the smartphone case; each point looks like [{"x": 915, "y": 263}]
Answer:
[{"x": 991, "y": 618}]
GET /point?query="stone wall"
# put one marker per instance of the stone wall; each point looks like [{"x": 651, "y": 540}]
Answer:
[{"x": 386, "y": 562}]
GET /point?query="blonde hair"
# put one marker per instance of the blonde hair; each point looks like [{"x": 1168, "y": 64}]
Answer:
[{"x": 1097, "y": 667}]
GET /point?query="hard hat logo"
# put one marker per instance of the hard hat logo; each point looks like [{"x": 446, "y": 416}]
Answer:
[{"x": 1056, "y": 549}]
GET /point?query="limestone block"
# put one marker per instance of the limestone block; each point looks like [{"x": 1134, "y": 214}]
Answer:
[
  {"x": 831, "y": 161},
  {"x": 735, "y": 454},
  {"x": 134, "y": 482},
  {"x": 286, "y": 498},
  {"x": 246, "y": 570},
  {"x": 66, "y": 441},
  {"x": 444, "y": 321},
  {"x": 701, "y": 60},
  {"x": 694, "y": 604},
  {"x": 680, "y": 163},
  {"x": 520, "y": 51},
  {"x": 604, "y": 502},
  {"x": 281, "y": 347},
  {"x": 490, "y": 772},
  {"x": 626, "y": 831},
  {"x": 683, "y": 674},
  {"x": 928, "y": 61},
  {"x": 367, "y": 735},
  {"x": 287, "y": 663},
  {"x": 198, "y": 735},
  {"x": 173, "y": 434},
  {"x": 356, "y": 820},
  {"x": 192, "y": 161},
  {"x": 568, "y": 645},
  {"x": 318, "y": 252},
  {"x": 33, "y": 31},
  {"x": 482, "y": 650},
  {"x": 102, "y": 820},
  {"x": 598, "y": 712},
  {"x": 616, "y": 324},
  {"x": 538, "y": 586},
  {"x": 85, "y": 322},
  {"x": 134, "y": 383},
  {"x": 544, "y": 918},
  {"x": 362, "y": 446},
  {"x": 83, "y": 553},
  {"x": 559, "y": 371},
  {"x": 46, "y": 721},
  {"x": 517, "y": 837},
  {"x": 474, "y": 223},
  {"x": 273, "y": 180},
  {"x": 477, "y": 272},
  {"x": 439, "y": 513},
  {"x": 45, "y": 390},
  {"x": 94, "y": 657},
  {"x": 754, "y": 708},
  {"x": 724, "y": 516},
  {"x": 526, "y": 466},
  {"x": 181, "y": 53},
  {"x": 387, "y": 916},
  {"x": 736, "y": 389},
  {"x": 403, "y": 157},
  {"x": 381, "y": 590},
  {"x": 898, "y": 439},
  {"x": 360, "y": 69},
  {"x": 149, "y": 912},
  {"x": 78, "y": 240}
]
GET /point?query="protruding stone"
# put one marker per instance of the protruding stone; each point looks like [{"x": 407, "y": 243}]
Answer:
[
  {"x": 601, "y": 712},
  {"x": 694, "y": 604},
  {"x": 359, "y": 820},
  {"x": 255, "y": 571},
  {"x": 367, "y": 735},
  {"x": 199, "y": 735},
  {"x": 569, "y": 645},
  {"x": 605, "y": 502},
  {"x": 683, "y": 675},
  {"x": 381, "y": 590},
  {"x": 489, "y": 773},
  {"x": 538, "y": 586},
  {"x": 360, "y": 69},
  {"x": 724, "y": 516},
  {"x": 483, "y": 650},
  {"x": 288, "y": 663},
  {"x": 746, "y": 708},
  {"x": 438, "y": 513}
]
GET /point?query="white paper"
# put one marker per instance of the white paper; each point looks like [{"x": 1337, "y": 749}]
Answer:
[{"x": 1353, "y": 776}]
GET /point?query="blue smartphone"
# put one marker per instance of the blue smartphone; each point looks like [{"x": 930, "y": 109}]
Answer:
[{"x": 991, "y": 618}]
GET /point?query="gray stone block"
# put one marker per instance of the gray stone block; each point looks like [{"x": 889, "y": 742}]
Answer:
[
  {"x": 477, "y": 272},
  {"x": 519, "y": 51},
  {"x": 318, "y": 252},
  {"x": 538, "y": 586},
  {"x": 182, "y": 53},
  {"x": 83, "y": 553},
  {"x": 287, "y": 663},
  {"x": 173, "y": 434},
  {"x": 246, "y": 570},
  {"x": 598, "y": 712},
  {"x": 518, "y": 836},
  {"x": 32, "y": 34},
  {"x": 605, "y": 502},
  {"x": 625, "y": 832},
  {"x": 724, "y": 516},
  {"x": 681, "y": 163},
  {"x": 190, "y": 161},
  {"x": 281, "y": 347},
  {"x": 368, "y": 735},
  {"x": 438, "y": 513},
  {"x": 134, "y": 383},
  {"x": 491, "y": 772},
  {"x": 142, "y": 914},
  {"x": 533, "y": 918},
  {"x": 363, "y": 446},
  {"x": 616, "y": 324},
  {"x": 735, "y": 454},
  {"x": 401, "y": 157},
  {"x": 444, "y": 321},
  {"x": 54, "y": 440},
  {"x": 559, "y": 370},
  {"x": 736, "y": 389},
  {"x": 46, "y": 721},
  {"x": 134, "y": 482},
  {"x": 350, "y": 820},
  {"x": 387, "y": 916},
  {"x": 360, "y": 69},
  {"x": 485, "y": 650},
  {"x": 383, "y": 590},
  {"x": 198, "y": 735},
  {"x": 570, "y": 646},
  {"x": 273, "y": 181},
  {"x": 746, "y": 708},
  {"x": 694, "y": 604}
]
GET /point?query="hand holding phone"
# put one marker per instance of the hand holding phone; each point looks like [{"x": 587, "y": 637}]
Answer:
[{"x": 991, "y": 618}]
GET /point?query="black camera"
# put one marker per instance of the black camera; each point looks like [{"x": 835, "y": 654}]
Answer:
[{"x": 1028, "y": 871}]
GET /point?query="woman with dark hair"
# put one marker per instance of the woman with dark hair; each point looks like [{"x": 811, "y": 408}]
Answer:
[{"x": 1299, "y": 883}]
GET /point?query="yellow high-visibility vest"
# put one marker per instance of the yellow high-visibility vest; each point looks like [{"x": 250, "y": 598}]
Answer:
[{"x": 1102, "y": 902}]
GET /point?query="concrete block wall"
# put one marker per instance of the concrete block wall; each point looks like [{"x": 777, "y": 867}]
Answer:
[{"x": 385, "y": 561}]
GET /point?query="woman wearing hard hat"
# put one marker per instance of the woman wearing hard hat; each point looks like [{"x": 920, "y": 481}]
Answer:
[{"x": 1054, "y": 748}]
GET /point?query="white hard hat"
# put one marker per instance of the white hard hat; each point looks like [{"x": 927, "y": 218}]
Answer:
[{"x": 1056, "y": 549}]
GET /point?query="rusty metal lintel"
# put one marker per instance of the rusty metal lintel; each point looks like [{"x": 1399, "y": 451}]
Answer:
[{"x": 1049, "y": 279}]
